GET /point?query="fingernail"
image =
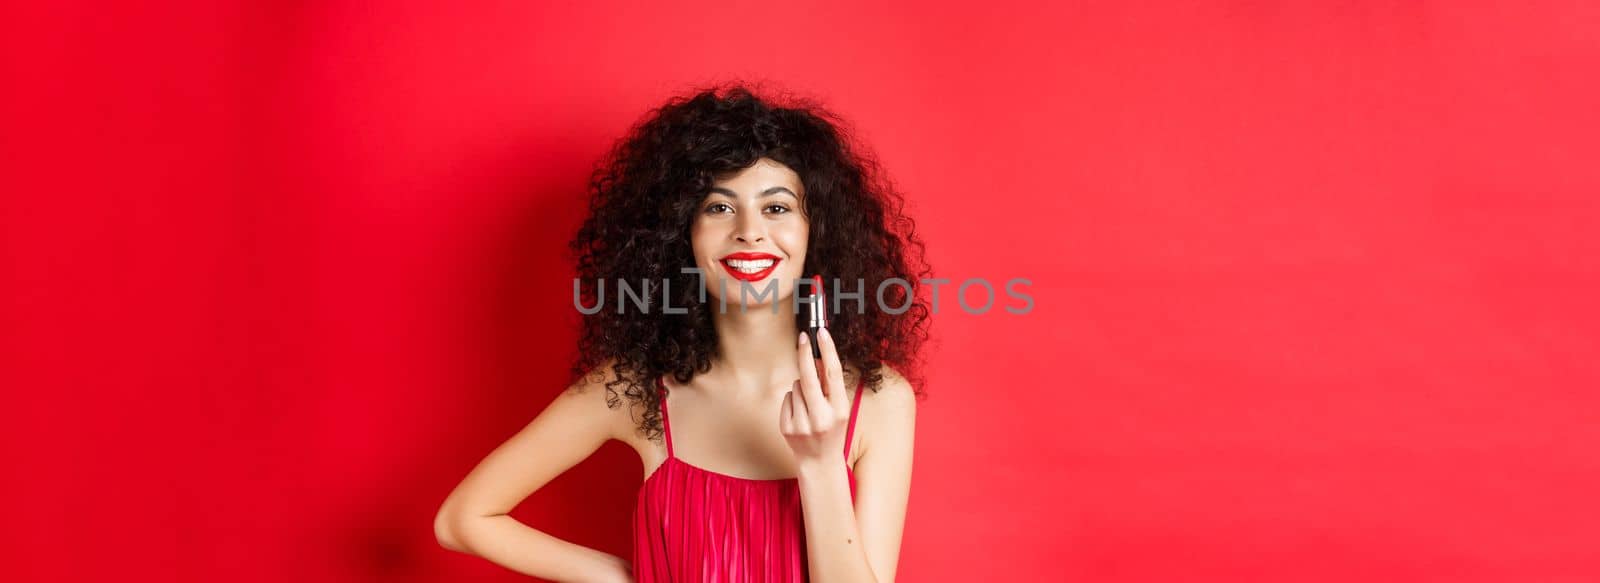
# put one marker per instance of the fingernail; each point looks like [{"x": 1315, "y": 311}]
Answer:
[
  {"x": 823, "y": 333},
  {"x": 803, "y": 339}
]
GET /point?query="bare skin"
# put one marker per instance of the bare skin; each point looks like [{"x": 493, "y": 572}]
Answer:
[{"x": 765, "y": 410}]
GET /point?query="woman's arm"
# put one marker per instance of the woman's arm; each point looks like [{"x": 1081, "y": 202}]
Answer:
[
  {"x": 883, "y": 487},
  {"x": 474, "y": 518},
  {"x": 845, "y": 544}
]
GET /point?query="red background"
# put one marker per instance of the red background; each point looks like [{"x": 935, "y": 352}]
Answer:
[{"x": 1314, "y": 282}]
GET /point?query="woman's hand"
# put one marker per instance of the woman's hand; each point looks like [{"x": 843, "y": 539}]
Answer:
[
  {"x": 617, "y": 570},
  {"x": 817, "y": 410}
]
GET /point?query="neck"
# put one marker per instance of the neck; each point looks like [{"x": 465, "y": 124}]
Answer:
[{"x": 756, "y": 347}]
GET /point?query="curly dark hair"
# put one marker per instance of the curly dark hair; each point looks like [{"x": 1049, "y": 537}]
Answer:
[{"x": 642, "y": 199}]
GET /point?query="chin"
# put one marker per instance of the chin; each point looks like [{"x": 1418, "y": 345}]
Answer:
[{"x": 785, "y": 289}]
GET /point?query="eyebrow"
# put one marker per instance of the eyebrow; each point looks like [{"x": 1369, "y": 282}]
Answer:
[{"x": 767, "y": 192}]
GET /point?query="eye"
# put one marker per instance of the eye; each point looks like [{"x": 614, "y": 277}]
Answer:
[
  {"x": 780, "y": 208},
  {"x": 711, "y": 209}
]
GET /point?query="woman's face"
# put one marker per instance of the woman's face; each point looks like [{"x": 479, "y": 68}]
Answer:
[{"x": 750, "y": 228}]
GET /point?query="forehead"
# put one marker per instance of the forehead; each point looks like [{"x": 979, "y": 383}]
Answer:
[{"x": 760, "y": 177}]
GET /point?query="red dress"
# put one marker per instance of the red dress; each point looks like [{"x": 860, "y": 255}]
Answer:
[{"x": 693, "y": 524}]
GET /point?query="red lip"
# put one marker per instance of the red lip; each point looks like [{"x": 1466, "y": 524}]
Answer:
[{"x": 749, "y": 256}]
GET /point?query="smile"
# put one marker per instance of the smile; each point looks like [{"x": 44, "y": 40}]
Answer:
[{"x": 749, "y": 266}]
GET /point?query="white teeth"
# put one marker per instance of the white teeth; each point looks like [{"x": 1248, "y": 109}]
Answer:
[{"x": 754, "y": 266}]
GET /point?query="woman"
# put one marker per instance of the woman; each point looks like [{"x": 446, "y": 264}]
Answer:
[{"x": 761, "y": 463}]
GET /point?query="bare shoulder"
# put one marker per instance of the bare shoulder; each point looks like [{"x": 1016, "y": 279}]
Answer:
[
  {"x": 890, "y": 411},
  {"x": 894, "y": 392},
  {"x": 607, "y": 406}
]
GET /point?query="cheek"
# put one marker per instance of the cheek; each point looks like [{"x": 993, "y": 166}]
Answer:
[
  {"x": 700, "y": 240},
  {"x": 798, "y": 234},
  {"x": 795, "y": 241}
]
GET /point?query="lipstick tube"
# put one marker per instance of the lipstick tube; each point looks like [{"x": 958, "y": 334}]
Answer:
[{"x": 816, "y": 315}]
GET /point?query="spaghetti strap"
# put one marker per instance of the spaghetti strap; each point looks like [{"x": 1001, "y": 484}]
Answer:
[
  {"x": 666, "y": 425},
  {"x": 849, "y": 432}
]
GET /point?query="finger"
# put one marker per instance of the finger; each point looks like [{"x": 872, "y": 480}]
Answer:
[
  {"x": 810, "y": 384},
  {"x": 786, "y": 414},
  {"x": 800, "y": 422},
  {"x": 801, "y": 408},
  {"x": 810, "y": 388},
  {"x": 832, "y": 369}
]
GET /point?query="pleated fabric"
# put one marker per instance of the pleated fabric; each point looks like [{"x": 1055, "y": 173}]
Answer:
[{"x": 695, "y": 525}]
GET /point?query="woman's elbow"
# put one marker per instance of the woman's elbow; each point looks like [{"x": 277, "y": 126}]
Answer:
[{"x": 444, "y": 529}]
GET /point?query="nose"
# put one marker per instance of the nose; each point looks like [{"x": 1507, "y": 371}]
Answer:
[{"x": 750, "y": 230}]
